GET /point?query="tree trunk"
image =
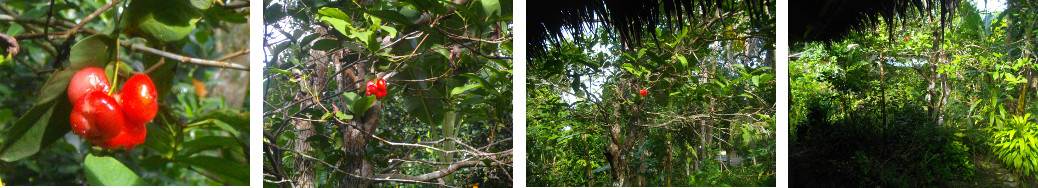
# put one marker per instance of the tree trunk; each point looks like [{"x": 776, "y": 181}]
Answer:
[
  {"x": 617, "y": 152},
  {"x": 882, "y": 94},
  {"x": 356, "y": 137},
  {"x": 618, "y": 164},
  {"x": 642, "y": 167},
  {"x": 312, "y": 86},
  {"x": 305, "y": 172},
  {"x": 668, "y": 163}
]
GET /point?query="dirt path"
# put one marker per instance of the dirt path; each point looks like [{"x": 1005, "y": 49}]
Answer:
[{"x": 989, "y": 174}]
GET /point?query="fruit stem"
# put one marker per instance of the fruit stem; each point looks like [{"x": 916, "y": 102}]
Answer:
[{"x": 115, "y": 79}]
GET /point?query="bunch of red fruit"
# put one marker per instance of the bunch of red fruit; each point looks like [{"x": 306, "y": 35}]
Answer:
[
  {"x": 376, "y": 87},
  {"x": 116, "y": 120}
]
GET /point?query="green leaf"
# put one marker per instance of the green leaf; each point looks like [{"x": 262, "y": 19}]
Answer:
[
  {"x": 461, "y": 89},
  {"x": 106, "y": 171},
  {"x": 338, "y": 19},
  {"x": 207, "y": 143},
  {"x": 568, "y": 136},
  {"x": 43, "y": 124},
  {"x": 159, "y": 139},
  {"x": 600, "y": 169},
  {"x": 492, "y": 7},
  {"x": 630, "y": 68},
  {"x": 6, "y": 115},
  {"x": 359, "y": 104},
  {"x": 326, "y": 44},
  {"x": 234, "y": 118},
  {"x": 273, "y": 13},
  {"x": 56, "y": 86},
  {"x": 683, "y": 61},
  {"x": 392, "y": 31},
  {"x": 202, "y": 4},
  {"x": 482, "y": 82},
  {"x": 342, "y": 116},
  {"x": 93, "y": 51},
  {"x": 232, "y": 172},
  {"x": 279, "y": 71},
  {"x": 392, "y": 16},
  {"x": 350, "y": 97},
  {"x": 163, "y": 20},
  {"x": 362, "y": 104},
  {"x": 309, "y": 38},
  {"x": 363, "y": 36},
  {"x": 429, "y": 5},
  {"x": 747, "y": 136}
]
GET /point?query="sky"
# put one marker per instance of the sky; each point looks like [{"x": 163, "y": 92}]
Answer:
[{"x": 990, "y": 5}]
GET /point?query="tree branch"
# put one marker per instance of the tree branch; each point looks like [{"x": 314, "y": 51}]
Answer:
[
  {"x": 181, "y": 58},
  {"x": 75, "y": 29},
  {"x": 135, "y": 47},
  {"x": 439, "y": 173}
]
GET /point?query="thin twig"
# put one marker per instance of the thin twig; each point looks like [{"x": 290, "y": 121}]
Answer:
[
  {"x": 305, "y": 156},
  {"x": 181, "y": 58},
  {"x": 75, "y": 29},
  {"x": 232, "y": 55},
  {"x": 135, "y": 47}
]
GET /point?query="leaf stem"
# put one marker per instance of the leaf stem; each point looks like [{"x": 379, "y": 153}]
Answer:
[{"x": 115, "y": 74}]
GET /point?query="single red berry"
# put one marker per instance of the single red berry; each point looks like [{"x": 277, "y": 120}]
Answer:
[
  {"x": 97, "y": 117},
  {"x": 381, "y": 84},
  {"x": 85, "y": 81},
  {"x": 381, "y": 93},
  {"x": 139, "y": 99},
  {"x": 372, "y": 88},
  {"x": 643, "y": 92},
  {"x": 129, "y": 137}
]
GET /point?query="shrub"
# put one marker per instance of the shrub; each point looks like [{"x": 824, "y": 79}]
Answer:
[{"x": 1015, "y": 145}]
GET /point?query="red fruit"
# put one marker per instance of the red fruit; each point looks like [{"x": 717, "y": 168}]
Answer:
[
  {"x": 376, "y": 87},
  {"x": 381, "y": 84},
  {"x": 643, "y": 92},
  {"x": 129, "y": 137},
  {"x": 372, "y": 88},
  {"x": 85, "y": 81},
  {"x": 139, "y": 99},
  {"x": 97, "y": 117},
  {"x": 381, "y": 93}
]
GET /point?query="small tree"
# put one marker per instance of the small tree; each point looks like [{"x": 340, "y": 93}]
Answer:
[{"x": 191, "y": 50}]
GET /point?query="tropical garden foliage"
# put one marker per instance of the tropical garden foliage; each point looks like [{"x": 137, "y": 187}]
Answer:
[
  {"x": 706, "y": 117},
  {"x": 193, "y": 51},
  {"x": 443, "y": 118},
  {"x": 933, "y": 97}
]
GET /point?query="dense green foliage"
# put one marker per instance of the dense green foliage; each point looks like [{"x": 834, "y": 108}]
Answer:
[
  {"x": 920, "y": 105},
  {"x": 200, "y": 135},
  {"x": 710, "y": 100},
  {"x": 445, "y": 121}
]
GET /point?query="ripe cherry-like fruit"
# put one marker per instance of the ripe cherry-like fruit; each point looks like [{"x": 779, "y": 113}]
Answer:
[
  {"x": 376, "y": 87},
  {"x": 372, "y": 88},
  {"x": 97, "y": 117},
  {"x": 643, "y": 92},
  {"x": 381, "y": 84},
  {"x": 138, "y": 99},
  {"x": 85, "y": 81},
  {"x": 130, "y": 136}
]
